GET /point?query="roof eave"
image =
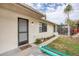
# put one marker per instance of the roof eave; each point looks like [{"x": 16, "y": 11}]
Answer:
[
  {"x": 30, "y": 8},
  {"x": 49, "y": 21}
]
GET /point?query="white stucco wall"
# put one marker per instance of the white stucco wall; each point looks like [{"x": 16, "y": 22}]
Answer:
[
  {"x": 34, "y": 30},
  {"x": 9, "y": 29}
]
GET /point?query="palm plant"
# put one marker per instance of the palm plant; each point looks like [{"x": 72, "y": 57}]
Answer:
[{"x": 67, "y": 10}]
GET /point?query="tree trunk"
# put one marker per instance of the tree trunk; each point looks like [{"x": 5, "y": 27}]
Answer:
[
  {"x": 68, "y": 26},
  {"x": 68, "y": 30}
]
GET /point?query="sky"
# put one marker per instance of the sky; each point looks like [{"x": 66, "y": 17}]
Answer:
[{"x": 55, "y": 11}]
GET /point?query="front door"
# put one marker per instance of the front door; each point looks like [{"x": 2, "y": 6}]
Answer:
[{"x": 22, "y": 31}]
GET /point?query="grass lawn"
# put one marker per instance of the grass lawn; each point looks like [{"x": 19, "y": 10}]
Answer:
[{"x": 66, "y": 45}]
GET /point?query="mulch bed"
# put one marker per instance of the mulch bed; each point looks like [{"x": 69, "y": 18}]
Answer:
[{"x": 46, "y": 39}]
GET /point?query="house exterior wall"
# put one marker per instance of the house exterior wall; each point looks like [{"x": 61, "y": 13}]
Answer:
[{"x": 9, "y": 29}]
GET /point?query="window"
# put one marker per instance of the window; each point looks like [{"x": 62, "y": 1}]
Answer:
[
  {"x": 42, "y": 27},
  {"x": 54, "y": 28}
]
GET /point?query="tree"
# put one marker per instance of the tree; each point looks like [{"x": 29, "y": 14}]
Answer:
[
  {"x": 67, "y": 10},
  {"x": 72, "y": 24}
]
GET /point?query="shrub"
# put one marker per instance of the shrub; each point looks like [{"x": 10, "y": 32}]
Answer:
[{"x": 38, "y": 41}]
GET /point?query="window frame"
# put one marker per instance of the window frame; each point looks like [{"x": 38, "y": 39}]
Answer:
[{"x": 42, "y": 27}]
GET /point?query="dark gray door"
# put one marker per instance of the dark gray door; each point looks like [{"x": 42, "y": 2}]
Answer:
[{"x": 22, "y": 31}]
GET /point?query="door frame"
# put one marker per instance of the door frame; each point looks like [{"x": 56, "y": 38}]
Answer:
[{"x": 27, "y": 30}]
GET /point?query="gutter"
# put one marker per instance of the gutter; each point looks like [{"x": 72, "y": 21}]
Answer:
[{"x": 49, "y": 21}]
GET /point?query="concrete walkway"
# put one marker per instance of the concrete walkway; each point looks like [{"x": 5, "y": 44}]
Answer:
[
  {"x": 32, "y": 51},
  {"x": 35, "y": 51}
]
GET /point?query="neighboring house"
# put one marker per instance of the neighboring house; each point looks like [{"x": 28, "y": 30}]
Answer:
[
  {"x": 63, "y": 29},
  {"x": 76, "y": 30},
  {"x": 21, "y": 24}
]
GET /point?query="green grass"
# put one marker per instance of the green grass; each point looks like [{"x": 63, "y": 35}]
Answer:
[{"x": 65, "y": 45}]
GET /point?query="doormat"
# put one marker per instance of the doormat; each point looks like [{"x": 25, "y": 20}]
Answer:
[{"x": 25, "y": 47}]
